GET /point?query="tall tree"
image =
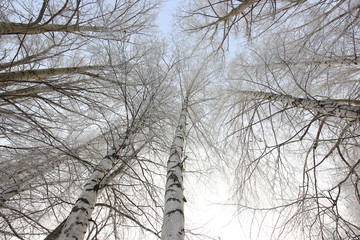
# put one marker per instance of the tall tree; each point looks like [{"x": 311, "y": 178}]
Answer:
[
  {"x": 49, "y": 105},
  {"x": 289, "y": 144},
  {"x": 173, "y": 223},
  {"x": 312, "y": 56},
  {"x": 78, "y": 220}
]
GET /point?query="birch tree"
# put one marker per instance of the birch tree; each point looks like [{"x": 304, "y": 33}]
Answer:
[
  {"x": 43, "y": 64},
  {"x": 286, "y": 118},
  {"x": 132, "y": 107},
  {"x": 78, "y": 220},
  {"x": 218, "y": 20},
  {"x": 292, "y": 154},
  {"x": 328, "y": 108},
  {"x": 312, "y": 56},
  {"x": 73, "y": 17},
  {"x": 195, "y": 74},
  {"x": 290, "y": 150},
  {"x": 173, "y": 223}
]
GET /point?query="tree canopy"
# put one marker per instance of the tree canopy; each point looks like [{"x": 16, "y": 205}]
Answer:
[{"x": 111, "y": 130}]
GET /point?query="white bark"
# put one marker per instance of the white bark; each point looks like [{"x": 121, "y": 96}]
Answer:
[
  {"x": 314, "y": 62},
  {"x": 20, "y": 28},
  {"x": 326, "y": 107},
  {"x": 35, "y": 90},
  {"x": 78, "y": 219},
  {"x": 55, "y": 234},
  {"x": 10, "y": 78},
  {"x": 173, "y": 223}
]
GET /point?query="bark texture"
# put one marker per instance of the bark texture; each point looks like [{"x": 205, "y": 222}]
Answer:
[
  {"x": 326, "y": 107},
  {"x": 78, "y": 220},
  {"x": 10, "y": 78},
  {"x": 173, "y": 223},
  {"x": 80, "y": 215},
  {"x": 314, "y": 62},
  {"x": 20, "y": 28},
  {"x": 34, "y": 91}
]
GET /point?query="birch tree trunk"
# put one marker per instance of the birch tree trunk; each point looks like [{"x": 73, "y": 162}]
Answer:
[
  {"x": 20, "y": 28},
  {"x": 78, "y": 219},
  {"x": 173, "y": 223},
  {"x": 326, "y": 107},
  {"x": 10, "y": 78},
  {"x": 34, "y": 91},
  {"x": 323, "y": 63},
  {"x": 55, "y": 234}
]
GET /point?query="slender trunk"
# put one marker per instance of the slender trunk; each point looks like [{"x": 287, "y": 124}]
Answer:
[
  {"x": 344, "y": 101},
  {"x": 326, "y": 107},
  {"x": 173, "y": 223},
  {"x": 78, "y": 220},
  {"x": 10, "y": 78},
  {"x": 55, "y": 234},
  {"x": 330, "y": 62},
  {"x": 20, "y": 28},
  {"x": 33, "y": 91},
  {"x": 324, "y": 63}
]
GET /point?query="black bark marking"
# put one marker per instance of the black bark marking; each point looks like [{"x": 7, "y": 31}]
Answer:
[
  {"x": 177, "y": 165},
  {"x": 112, "y": 156},
  {"x": 169, "y": 190},
  {"x": 84, "y": 200},
  {"x": 175, "y": 184},
  {"x": 95, "y": 188},
  {"x": 174, "y": 211},
  {"x": 175, "y": 152},
  {"x": 12, "y": 191},
  {"x": 173, "y": 177},
  {"x": 81, "y": 223},
  {"x": 75, "y": 209},
  {"x": 173, "y": 199},
  {"x": 99, "y": 170}
]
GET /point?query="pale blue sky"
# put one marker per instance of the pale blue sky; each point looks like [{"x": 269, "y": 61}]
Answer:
[{"x": 165, "y": 17}]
